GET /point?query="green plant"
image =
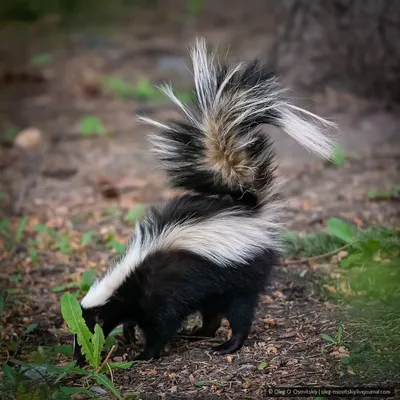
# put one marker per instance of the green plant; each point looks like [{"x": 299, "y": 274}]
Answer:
[
  {"x": 262, "y": 365},
  {"x": 87, "y": 238},
  {"x": 134, "y": 213},
  {"x": 194, "y": 7},
  {"x": 91, "y": 126},
  {"x": 63, "y": 244},
  {"x": 12, "y": 238},
  {"x": 393, "y": 192},
  {"x": 87, "y": 279},
  {"x": 338, "y": 340},
  {"x": 114, "y": 244},
  {"x": 341, "y": 229},
  {"x": 60, "y": 240},
  {"x": 142, "y": 89},
  {"x": 338, "y": 156},
  {"x": 8, "y": 136},
  {"x": 41, "y": 59},
  {"x": 92, "y": 344}
]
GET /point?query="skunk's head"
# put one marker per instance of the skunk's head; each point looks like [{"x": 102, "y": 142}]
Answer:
[{"x": 107, "y": 316}]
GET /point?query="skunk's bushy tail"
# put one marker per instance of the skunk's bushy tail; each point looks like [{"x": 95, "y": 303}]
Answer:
[{"x": 220, "y": 148}]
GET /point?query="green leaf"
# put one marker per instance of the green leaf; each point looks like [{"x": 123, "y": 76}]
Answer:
[
  {"x": 65, "y": 349},
  {"x": 194, "y": 6},
  {"x": 21, "y": 228},
  {"x": 72, "y": 314},
  {"x": 8, "y": 135},
  {"x": 69, "y": 285},
  {"x": 91, "y": 126},
  {"x": 116, "y": 331},
  {"x": 200, "y": 383},
  {"x": 120, "y": 365},
  {"x": 328, "y": 338},
  {"x": 263, "y": 365},
  {"x": 110, "y": 342},
  {"x": 144, "y": 89},
  {"x": 9, "y": 374},
  {"x": 135, "y": 212},
  {"x": 41, "y": 228},
  {"x": 63, "y": 244},
  {"x": 303, "y": 273},
  {"x": 341, "y": 229},
  {"x": 41, "y": 59},
  {"x": 98, "y": 341},
  {"x": 30, "y": 328},
  {"x": 33, "y": 256},
  {"x": 4, "y": 225},
  {"x": 117, "y": 246},
  {"x": 338, "y": 156},
  {"x": 86, "y": 238},
  {"x": 87, "y": 280},
  {"x": 353, "y": 260},
  {"x": 104, "y": 381}
]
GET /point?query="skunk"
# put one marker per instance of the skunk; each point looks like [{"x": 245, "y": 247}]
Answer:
[{"x": 211, "y": 249}]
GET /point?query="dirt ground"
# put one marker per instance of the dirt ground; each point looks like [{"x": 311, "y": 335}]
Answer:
[{"x": 64, "y": 178}]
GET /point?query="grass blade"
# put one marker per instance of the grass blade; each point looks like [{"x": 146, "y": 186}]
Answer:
[{"x": 105, "y": 382}]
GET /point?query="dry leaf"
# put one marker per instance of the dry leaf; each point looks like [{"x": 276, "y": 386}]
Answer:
[
  {"x": 107, "y": 188},
  {"x": 272, "y": 349},
  {"x": 266, "y": 299},
  {"x": 330, "y": 289},
  {"x": 229, "y": 359},
  {"x": 270, "y": 321},
  {"x": 28, "y": 138},
  {"x": 150, "y": 372}
]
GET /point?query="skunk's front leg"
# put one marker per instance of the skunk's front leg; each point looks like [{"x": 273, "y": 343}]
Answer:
[
  {"x": 128, "y": 329},
  {"x": 157, "y": 335}
]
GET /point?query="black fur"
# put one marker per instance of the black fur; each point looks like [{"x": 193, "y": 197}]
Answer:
[
  {"x": 191, "y": 149},
  {"x": 168, "y": 287}
]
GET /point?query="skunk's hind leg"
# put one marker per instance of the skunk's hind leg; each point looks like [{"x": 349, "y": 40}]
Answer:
[{"x": 240, "y": 315}]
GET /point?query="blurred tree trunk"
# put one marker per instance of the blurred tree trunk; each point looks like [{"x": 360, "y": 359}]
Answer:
[{"x": 348, "y": 44}]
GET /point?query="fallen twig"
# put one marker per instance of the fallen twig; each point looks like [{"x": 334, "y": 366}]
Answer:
[
  {"x": 105, "y": 360},
  {"x": 319, "y": 257}
]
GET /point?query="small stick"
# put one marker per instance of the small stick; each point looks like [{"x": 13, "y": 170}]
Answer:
[
  {"x": 111, "y": 374},
  {"x": 321, "y": 256},
  {"x": 105, "y": 360}
]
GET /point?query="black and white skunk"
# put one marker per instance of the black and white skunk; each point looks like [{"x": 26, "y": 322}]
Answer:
[{"x": 204, "y": 251}]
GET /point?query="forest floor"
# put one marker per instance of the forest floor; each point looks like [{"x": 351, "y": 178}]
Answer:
[{"x": 70, "y": 195}]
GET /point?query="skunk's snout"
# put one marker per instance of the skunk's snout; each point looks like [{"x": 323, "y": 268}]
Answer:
[{"x": 77, "y": 353}]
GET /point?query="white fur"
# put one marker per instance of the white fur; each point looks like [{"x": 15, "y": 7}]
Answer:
[
  {"x": 224, "y": 239},
  {"x": 260, "y": 99}
]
